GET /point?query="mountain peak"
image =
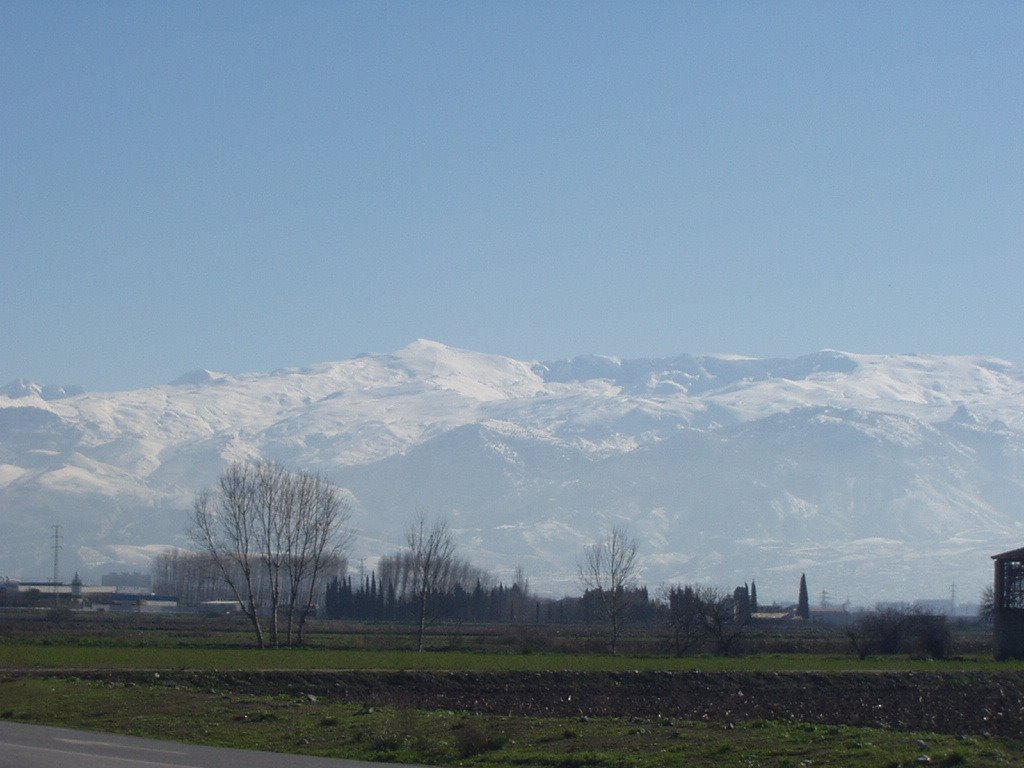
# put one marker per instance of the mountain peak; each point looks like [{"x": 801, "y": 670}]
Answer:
[
  {"x": 478, "y": 375},
  {"x": 198, "y": 377},
  {"x": 420, "y": 344},
  {"x": 25, "y": 388},
  {"x": 962, "y": 415},
  {"x": 21, "y": 388}
]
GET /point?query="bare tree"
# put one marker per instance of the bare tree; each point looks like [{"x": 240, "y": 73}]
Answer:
[
  {"x": 987, "y": 605},
  {"x": 396, "y": 577},
  {"x": 271, "y": 533},
  {"x": 722, "y": 625},
  {"x": 225, "y": 526},
  {"x": 610, "y": 568},
  {"x": 685, "y": 617},
  {"x": 431, "y": 557},
  {"x": 315, "y": 541},
  {"x": 894, "y": 629},
  {"x": 272, "y": 489},
  {"x": 519, "y": 596}
]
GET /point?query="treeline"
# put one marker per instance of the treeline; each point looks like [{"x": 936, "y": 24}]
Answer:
[
  {"x": 694, "y": 617},
  {"x": 366, "y": 600},
  {"x": 192, "y": 577}
]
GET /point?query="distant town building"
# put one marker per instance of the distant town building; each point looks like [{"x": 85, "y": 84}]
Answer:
[
  {"x": 128, "y": 582},
  {"x": 75, "y": 588},
  {"x": 81, "y": 596}
]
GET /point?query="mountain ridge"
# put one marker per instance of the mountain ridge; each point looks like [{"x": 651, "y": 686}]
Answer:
[{"x": 532, "y": 459}]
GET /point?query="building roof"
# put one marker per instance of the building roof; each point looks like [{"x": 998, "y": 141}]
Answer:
[{"x": 1013, "y": 554}]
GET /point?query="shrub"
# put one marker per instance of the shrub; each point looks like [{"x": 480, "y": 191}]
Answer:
[
  {"x": 472, "y": 739},
  {"x": 930, "y": 635},
  {"x": 899, "y": 630}
]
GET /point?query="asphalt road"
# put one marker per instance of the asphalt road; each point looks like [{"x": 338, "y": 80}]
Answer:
[{"x": 38, "y": 746}]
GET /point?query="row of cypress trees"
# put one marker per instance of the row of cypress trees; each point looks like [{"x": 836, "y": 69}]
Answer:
[{"x": 365, "y": 599}]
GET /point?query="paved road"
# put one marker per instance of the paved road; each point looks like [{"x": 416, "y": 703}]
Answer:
[{"x": 38, "y": 746}]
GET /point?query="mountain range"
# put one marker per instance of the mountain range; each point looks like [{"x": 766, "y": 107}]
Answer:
[{"x": 882, "y": 477}]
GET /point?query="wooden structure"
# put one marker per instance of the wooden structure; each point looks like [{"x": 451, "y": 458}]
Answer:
[{"x": 1008, "y": 605}]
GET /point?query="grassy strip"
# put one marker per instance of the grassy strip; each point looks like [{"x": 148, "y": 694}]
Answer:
[
  {"x": 73, "y": 656},
  {"x": 318, "y": 727}
]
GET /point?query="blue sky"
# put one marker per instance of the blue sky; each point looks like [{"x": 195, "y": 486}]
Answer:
[{"x": 245, "y": 187}]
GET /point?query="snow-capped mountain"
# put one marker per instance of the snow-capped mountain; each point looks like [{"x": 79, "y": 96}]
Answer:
[{"x": 878, "y": 476}]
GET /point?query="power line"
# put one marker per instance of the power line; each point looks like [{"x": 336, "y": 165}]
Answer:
[
  {"x": 56, "y": 554},
  {"x": 56, "y": 563}
]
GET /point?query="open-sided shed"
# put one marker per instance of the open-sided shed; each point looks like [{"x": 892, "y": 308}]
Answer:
[{"x": 1008, "y": 605}]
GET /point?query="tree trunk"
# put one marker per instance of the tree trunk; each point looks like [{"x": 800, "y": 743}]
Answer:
[
  {"x": 300, "y": 635},
  {"x": 275, "y": 598},
  {"x": 254, "y": 617},
  {"x": 423, "y": 620},
  {"x": 289, "y": 618},
  {"x": 260, "y": 642}
]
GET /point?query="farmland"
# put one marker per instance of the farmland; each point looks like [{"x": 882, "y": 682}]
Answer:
[{"x": 485, "y": 699}]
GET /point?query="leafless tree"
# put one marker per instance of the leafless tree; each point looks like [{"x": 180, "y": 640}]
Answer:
[
  {"x": 722, "y": 625},
  {"x": 987, "y": 605},
  {"x": 268, "y": 528},
  {"x": 891, "y": 629},
  {"x": 316, "y": 537},
  {"x": 610, "y": 568},
  {"x": 396, "y": 572},
  {"x": 431, "y": 557},
  {"x": 272, "y": 491},
  {"x": 225, "y": 527},
  {"x": 685, "y": 617},
  {"x": 519, "y": 596}
]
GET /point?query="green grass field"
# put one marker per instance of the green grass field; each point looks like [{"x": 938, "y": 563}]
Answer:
[
  {"x": 300, "y": 724},
  {"x": 72, "y": 655}
]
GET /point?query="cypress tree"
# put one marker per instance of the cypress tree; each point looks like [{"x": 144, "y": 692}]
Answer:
[
  {"x": 478, "y": 603},
  {"x": 331, "y": 598},
  {"x": 391, "y": 610},
  {"x": 753, "y": 597},
  {"x": 741, "y": 597},
  {"x": 803, "y": 606}
]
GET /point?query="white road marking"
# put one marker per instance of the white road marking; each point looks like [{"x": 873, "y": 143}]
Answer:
[
  {"x": 132, "y": 760},
  {"x": 89, "y": 743}
]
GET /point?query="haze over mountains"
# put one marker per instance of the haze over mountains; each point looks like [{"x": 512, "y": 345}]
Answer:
[{"x": 881, "y": 477}]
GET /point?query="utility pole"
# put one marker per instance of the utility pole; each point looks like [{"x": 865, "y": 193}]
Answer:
[
  {"x": 56, "y": 563},
  {"x": 952, "y": 599}
]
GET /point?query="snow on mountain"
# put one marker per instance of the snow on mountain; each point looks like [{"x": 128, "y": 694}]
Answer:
[
  {"x": 24, "y": 388},
  {"x": 877, "y": 475},
  {"x": 199, "y": 377}
]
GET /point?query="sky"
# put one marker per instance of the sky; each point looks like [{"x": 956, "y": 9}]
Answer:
[{"x": 246, "y": 186}]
